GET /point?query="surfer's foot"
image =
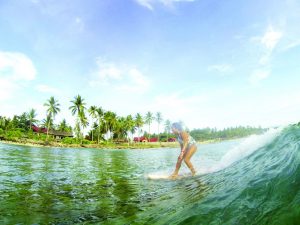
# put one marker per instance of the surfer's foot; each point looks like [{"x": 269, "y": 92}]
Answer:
[
  {"x": 193, "y": 172},
  {"x": 173, "y": 176}
]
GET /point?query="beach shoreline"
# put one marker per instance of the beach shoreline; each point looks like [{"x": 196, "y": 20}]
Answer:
[
  {"x": 125, "y": 146},
  {"x": 31, "y": 143}
]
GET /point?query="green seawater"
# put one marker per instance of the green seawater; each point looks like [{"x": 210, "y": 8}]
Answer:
[{"x": 248, "y": 181}]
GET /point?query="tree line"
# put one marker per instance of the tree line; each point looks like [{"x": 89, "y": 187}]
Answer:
[
  {"x": 103, "y": 122},
  {"x": 105, "y": 125},
  {"x": 227, "y": 133}
]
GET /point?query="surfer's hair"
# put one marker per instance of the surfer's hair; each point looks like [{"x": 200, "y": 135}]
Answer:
[{"x": 177, "y": 126}]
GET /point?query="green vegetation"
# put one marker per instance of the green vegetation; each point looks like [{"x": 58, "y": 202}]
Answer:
[
  {"x": 52, "y": 109},
  {"x": 107, "y": 128},
  {"x": 225, "y": 134}
]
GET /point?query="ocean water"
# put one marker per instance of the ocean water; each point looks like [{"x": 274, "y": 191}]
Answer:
[{"x": 255, "y": 180}]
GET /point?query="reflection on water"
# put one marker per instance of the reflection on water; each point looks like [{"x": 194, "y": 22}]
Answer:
[{"x": 67, "y": 186}]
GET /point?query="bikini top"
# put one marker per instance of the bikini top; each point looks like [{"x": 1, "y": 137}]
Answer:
[{"x": 191, "y": 140}]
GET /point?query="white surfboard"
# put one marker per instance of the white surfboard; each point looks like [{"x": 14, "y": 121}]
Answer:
[{"x": 157, "y": 176}]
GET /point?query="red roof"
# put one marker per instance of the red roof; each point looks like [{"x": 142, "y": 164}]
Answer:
[
  {"x": 142, "y": 139},
  {"x": 39, "y": 129}
]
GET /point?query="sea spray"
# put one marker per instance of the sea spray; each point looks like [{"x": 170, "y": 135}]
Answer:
[{"x": 244, "y": 149}]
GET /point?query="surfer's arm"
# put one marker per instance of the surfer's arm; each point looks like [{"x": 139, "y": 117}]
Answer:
[{"x": 183, "y": 146}]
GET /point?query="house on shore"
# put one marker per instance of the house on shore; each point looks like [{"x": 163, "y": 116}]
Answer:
[
  {"x": 58, "y": 135},
  {"x": 152, "y": 139}
]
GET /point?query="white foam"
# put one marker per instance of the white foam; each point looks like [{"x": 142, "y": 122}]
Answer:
[
  {"x": 165, "y": 175},
  {"x": 158, "y": 176},
  {"x": 248, "y": 146}
]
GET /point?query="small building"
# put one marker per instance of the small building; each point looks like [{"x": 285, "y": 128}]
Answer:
[
  {"x": 172, "y": 139},
  {"x": 37, "y": 129},
  {"x": 140, "y": 139},
  {"x": 145, "y": 139},
  {"x": 58, "y": 135}
]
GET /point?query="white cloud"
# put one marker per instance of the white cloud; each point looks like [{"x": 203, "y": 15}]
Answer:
[
  {"x": 119, "y": 77},
  {"x": 221, "y": 68},
  {"x": 138, "y": 78},
  {"x": 105, "y": 73},
  {"x": 258, "y": 75},
  {"x": 167, "y": 3},
  {"x": 145, "y": 3},
  {"x": 271, "y": 38},
  {"x": 15, "y": 68},
  {"x": 47, "y": 89},
  {"x": 268, "y": 42},
  {"x": 292, "y": 44}
]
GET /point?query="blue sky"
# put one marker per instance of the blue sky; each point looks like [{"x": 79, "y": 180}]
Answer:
[{"x": 205, "y": 62}]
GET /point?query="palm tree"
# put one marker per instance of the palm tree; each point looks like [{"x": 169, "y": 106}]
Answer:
[
  {"x": 22, "y": 121},
  {"x": 83, "y": 121},
  {"x": 93, "y": 114},
  {"x": 63, "y": 126},
  {"x": 4, "y": 123},
  {"x": 120, "y": 128},
  {"x": 78, "y": 108},
  {"x": 168, "y": 128},
  {"x": 139, "y": 123},
  {"x": 100, "y": 113},
  {"x": 125, "y": 125},
  {"x": 148, "y": 120},
  {"x": 52, "y": 110},
  {"x": 158, "y": 119},
  {"x": 78, "y": 105},
  {"x": 77, "y": 129},
  {"x": 110, "y": 121},
  {"x": 31, "y": 117},
  {"x": 129, "y": 124},
  {"x": 94, "y": 129},
  {"x": 48, "y": 122}
]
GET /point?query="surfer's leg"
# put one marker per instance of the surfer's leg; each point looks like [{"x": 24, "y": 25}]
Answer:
[
  {"x": 188, "y": 157},
  {"x": 178, "y": 165}
]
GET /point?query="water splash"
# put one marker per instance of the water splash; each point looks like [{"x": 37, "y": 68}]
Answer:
[{"x": 244, "y": 149}]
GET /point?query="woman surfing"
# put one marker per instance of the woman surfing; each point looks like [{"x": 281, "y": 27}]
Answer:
[{"x": 188, "y": 148}]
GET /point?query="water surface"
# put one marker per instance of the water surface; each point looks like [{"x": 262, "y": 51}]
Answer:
[{"x": 246, "y": 181}]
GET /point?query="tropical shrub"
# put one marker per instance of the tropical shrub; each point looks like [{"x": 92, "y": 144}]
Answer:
[
  {"x": 86, "y": 142},
  {"x": 69, "y": 140},
  {"x": 17, "y": 133}
]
